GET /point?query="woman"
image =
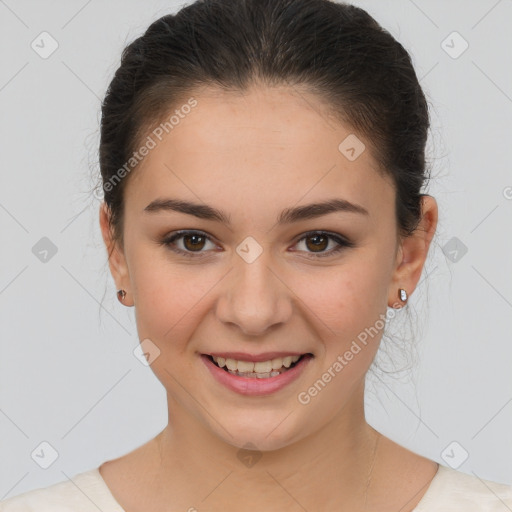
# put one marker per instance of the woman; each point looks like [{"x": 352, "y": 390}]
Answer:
[{"x": 263, "y": 164}]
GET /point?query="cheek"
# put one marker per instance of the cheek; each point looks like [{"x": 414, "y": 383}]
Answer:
[
  {"x": 170, "y": 299},
  {"x": 345, "y": 299}
]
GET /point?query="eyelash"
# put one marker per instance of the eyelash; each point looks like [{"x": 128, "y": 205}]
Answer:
[{"x": 342, "y": 243}]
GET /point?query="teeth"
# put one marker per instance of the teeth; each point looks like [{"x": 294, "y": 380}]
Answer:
[
  {"x": 277, "y": 363},
  {"x": 243, "y": 366},
  {"x": 256, "y": 375},
  {"x": 231, "y": 364},
  {"x": 262, "y": 367}
]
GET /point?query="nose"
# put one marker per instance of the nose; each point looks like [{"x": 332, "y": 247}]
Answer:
[{"x": 254, "y": 298}]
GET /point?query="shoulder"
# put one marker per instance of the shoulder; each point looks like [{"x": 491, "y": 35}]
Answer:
[
  {"x": 85, "y": 492},
  {"x": 454, "y": 491}
]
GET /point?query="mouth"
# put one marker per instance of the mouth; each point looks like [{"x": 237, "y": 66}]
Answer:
[
  {"x": 257, "y": 369},
  {"x": 256, "y": 374}
]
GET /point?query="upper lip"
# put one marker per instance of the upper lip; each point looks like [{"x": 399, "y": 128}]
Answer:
[{"x": 243, "y": 356}]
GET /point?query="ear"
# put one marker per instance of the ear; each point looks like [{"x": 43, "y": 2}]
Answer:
[
  {"x": 117, "y": 260},
  {"x": 413, "y": 251}
]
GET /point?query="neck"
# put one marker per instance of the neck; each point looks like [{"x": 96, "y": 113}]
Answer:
[{"x": 332, "y": 465}]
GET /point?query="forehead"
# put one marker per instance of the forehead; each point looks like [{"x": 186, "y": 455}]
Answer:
[{"x": 260, "y": 145}]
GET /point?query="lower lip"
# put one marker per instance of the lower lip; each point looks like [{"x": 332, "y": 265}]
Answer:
[{"x": 255, "y": 386}]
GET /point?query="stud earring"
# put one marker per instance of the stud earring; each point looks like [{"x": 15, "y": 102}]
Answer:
[
  {"x": 121, "y": 294},
  {"x": 402, "y": 294}
]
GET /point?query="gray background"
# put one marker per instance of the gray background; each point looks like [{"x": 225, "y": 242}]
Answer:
[{"x": 68, "y": 376}]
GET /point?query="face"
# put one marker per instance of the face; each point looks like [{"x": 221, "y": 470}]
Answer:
[{"x": 257, "y": 275}]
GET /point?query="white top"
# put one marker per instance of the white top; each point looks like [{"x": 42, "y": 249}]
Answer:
[{"x": 449, "y": 491}]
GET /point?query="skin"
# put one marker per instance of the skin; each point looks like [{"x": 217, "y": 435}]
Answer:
[{"x": 253, "y": 155}]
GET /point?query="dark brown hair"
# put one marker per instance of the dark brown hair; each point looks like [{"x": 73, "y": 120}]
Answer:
[{"x": 338, "y": 51}]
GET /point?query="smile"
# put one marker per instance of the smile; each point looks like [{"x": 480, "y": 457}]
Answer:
[
  {"x": 256, "y": 377},
  {"x": 256, "y": 370}
]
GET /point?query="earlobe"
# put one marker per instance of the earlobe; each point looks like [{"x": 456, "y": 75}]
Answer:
[{"x": 413, "y": 251}]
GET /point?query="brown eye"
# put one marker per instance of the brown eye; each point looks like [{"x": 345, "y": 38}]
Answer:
[
  {"x": 193, "y": 242},
  {"x": 319, "y": 242},
  {"x": 189, "y": 243}
]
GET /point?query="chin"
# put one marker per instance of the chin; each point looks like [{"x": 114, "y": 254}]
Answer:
[{"x": 258, "y": 433}]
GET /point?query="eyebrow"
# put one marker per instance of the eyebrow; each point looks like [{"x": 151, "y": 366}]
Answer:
[{"x": 289, "y": 215}]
